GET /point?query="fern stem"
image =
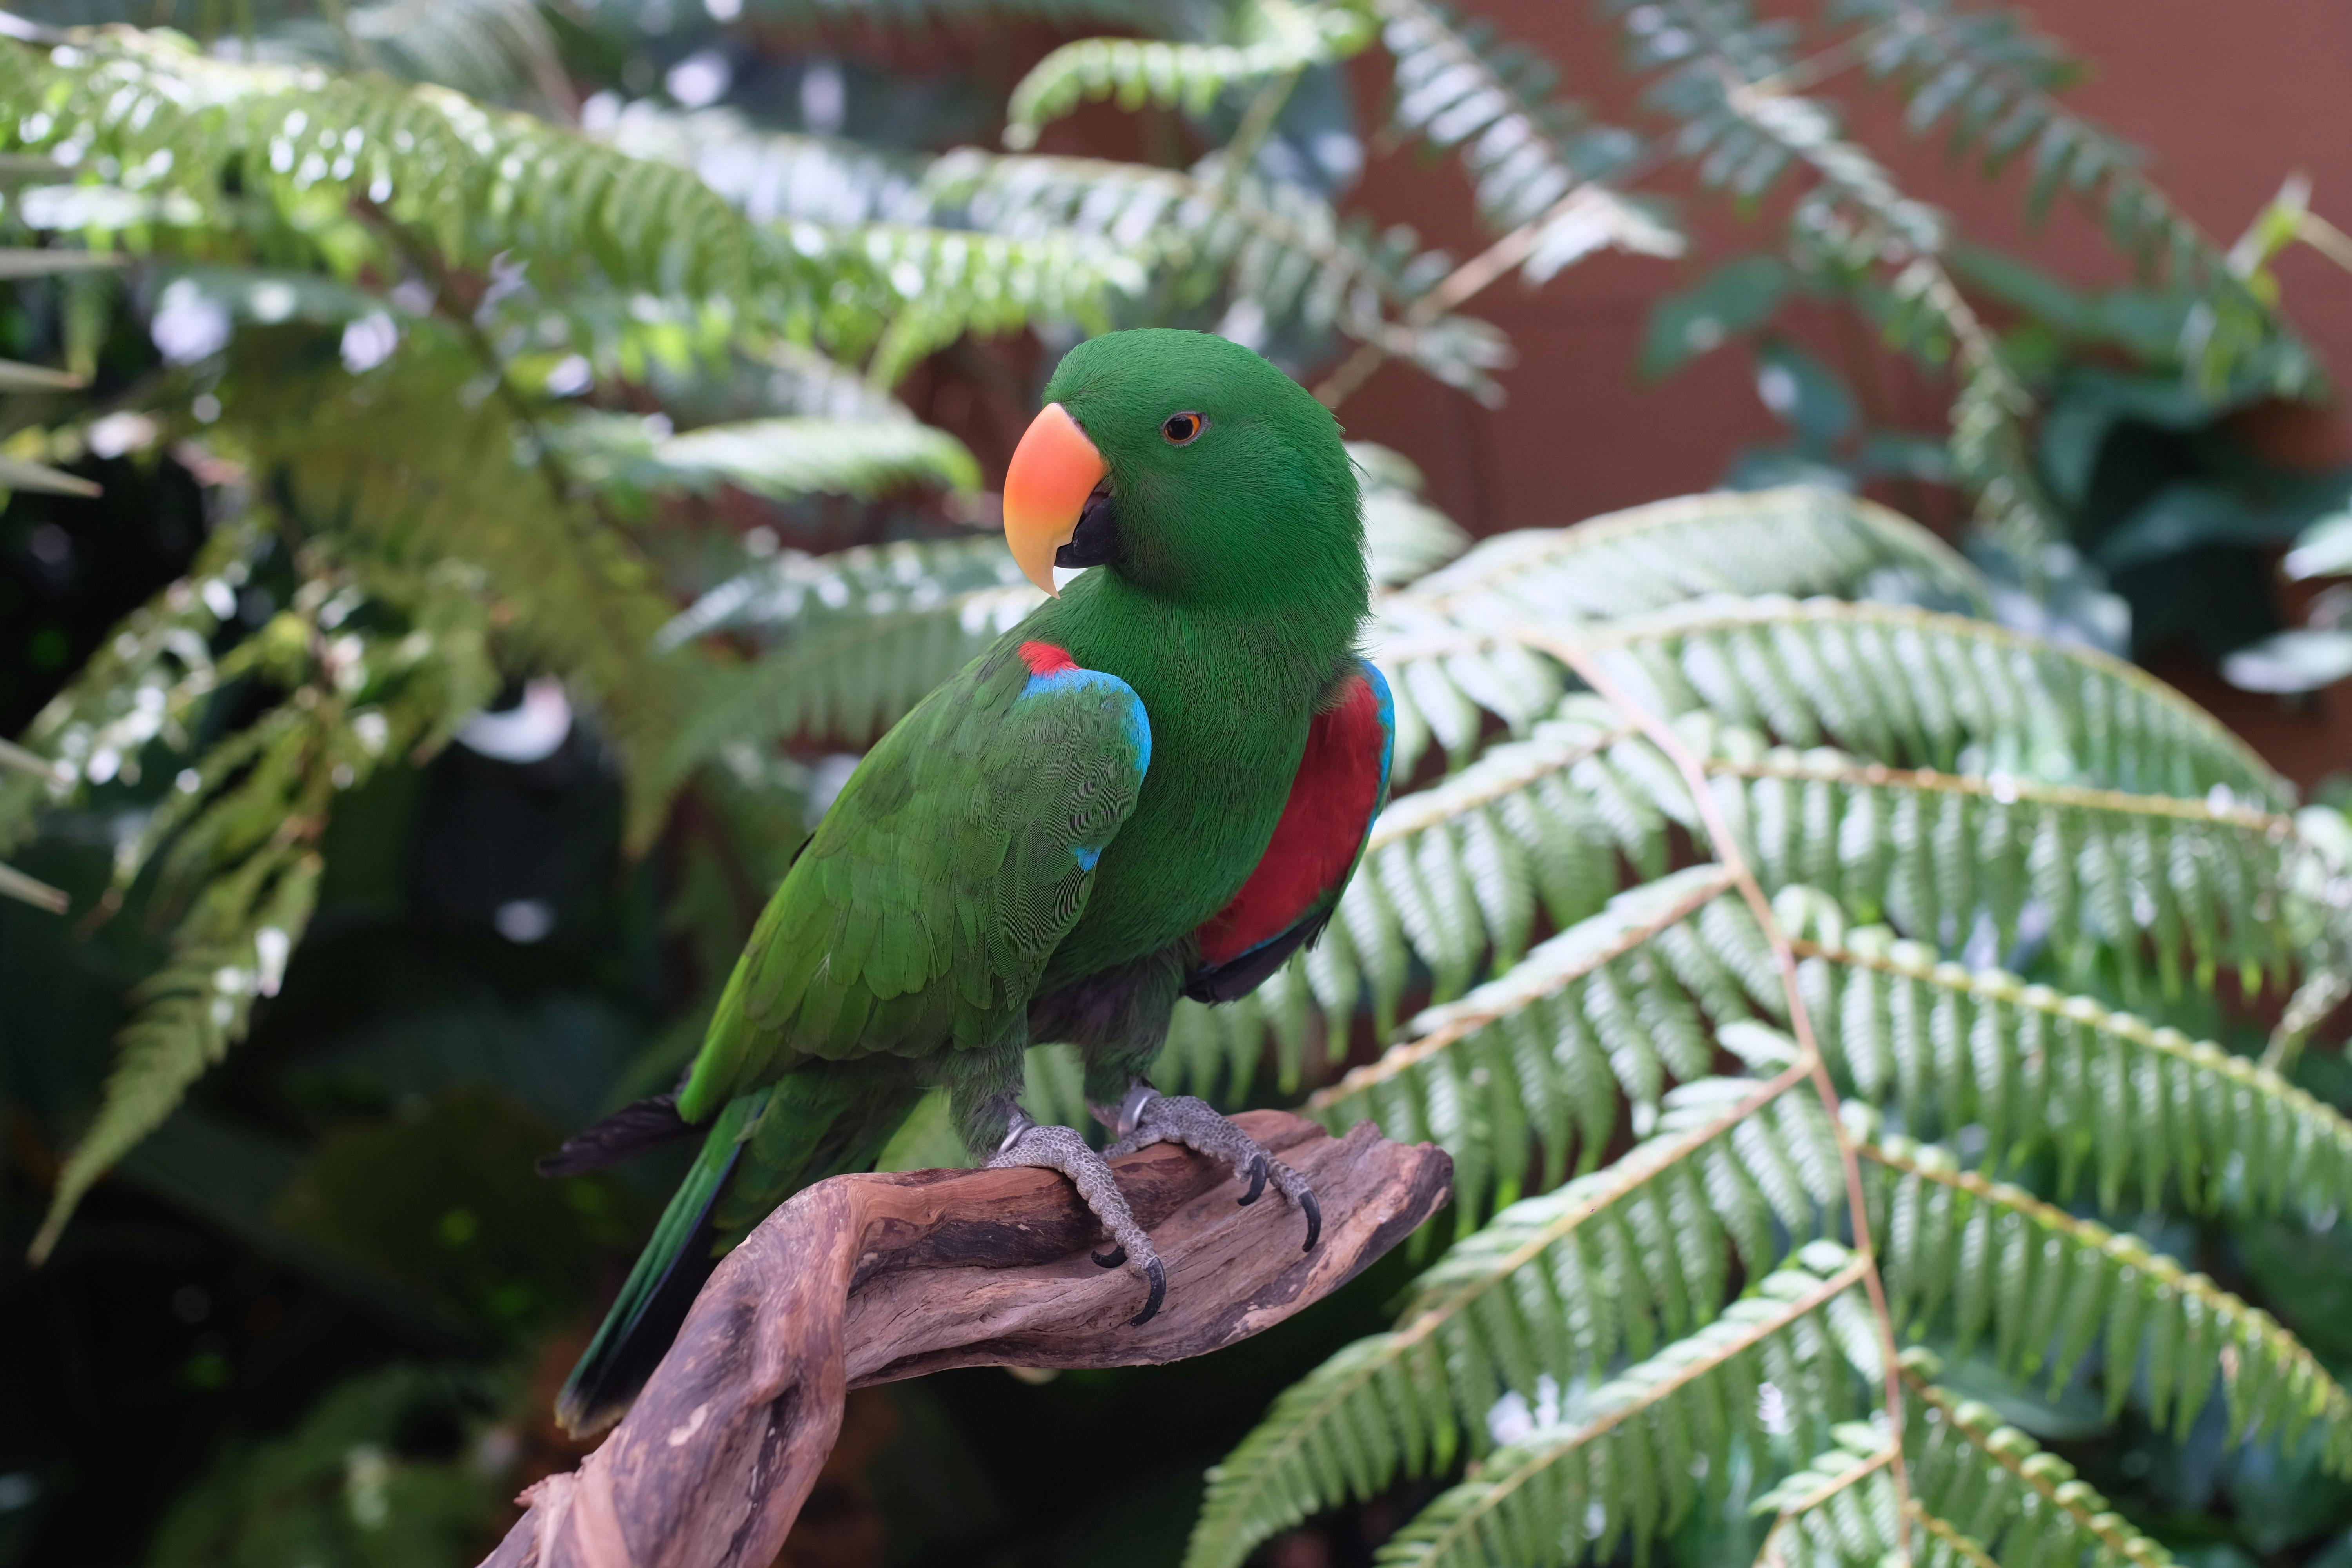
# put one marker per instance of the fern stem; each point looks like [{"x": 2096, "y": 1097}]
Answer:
[
  {"x": 1424, "y": 809},
  {"x": 1462, "y": 1020},
  {"x": 2109, "y": 1528},
  {"x": 1751, "y": 1334},
  {"x": 1619, "y": 1180},
  {"x": 1827, "y": 65},
  {"x": 2008, "y": 789},
  {"x": 1840, "y": 1482},
  {"x": 2161, "y": 1273},
  {"x": 2202, "y": 1055},
  {"x": 1728, "y": 850},
  {"x": 1264, "y": 109},
  {"x": 1950, "y": 1535}
]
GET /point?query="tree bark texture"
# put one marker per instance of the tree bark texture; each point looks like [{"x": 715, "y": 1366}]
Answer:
[{"x": 870, "y": 1279}]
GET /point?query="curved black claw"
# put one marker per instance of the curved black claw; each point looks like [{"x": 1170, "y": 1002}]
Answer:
[
  {"x": 1113, "y": 1258},
  {"x": 1314, "y": 1220},
  {"x": 1159, "y": 1276},
  {"x": 1257, "y": 1183}
]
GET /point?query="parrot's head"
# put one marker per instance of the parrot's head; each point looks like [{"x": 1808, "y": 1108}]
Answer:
[{"x": 1190, "y": 466}]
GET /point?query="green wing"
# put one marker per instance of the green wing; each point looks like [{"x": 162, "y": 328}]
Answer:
[{"x": 956, "y": 860}]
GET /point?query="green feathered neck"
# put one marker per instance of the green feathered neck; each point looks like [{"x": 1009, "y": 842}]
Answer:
[{"x": 1230, "y": 691}]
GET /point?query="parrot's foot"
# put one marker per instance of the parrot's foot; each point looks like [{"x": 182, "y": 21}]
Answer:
[
  {"x": 1148, "y": 1117},
  {"x": 1061, "y": 1148}
]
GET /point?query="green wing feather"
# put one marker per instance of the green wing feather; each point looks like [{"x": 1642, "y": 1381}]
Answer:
[
  {"x": 918, "y": 920},
  {"x": 956, "y": 860}
]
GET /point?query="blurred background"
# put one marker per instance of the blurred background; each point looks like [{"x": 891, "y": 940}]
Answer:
[{"x": 313, "y": 1305}]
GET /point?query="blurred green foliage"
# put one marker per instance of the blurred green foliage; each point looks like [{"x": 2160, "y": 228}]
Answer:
[{"x": 499, "y": 551}]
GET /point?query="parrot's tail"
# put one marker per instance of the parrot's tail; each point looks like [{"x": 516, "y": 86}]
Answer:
[{"x": 764, "y": 1147}]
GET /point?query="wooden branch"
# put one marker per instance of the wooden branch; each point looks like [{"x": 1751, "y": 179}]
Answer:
[{"x": 867, "y": 1280}]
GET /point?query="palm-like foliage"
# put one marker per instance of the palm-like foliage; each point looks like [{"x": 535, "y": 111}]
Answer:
[
  {"x": 1768, "y": 831},
  {"x": 1723, "y": 807}
]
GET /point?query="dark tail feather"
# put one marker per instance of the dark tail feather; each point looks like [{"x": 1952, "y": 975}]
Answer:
[
  {"x": 627, "y": 1133},
  {"x": 764, "y": 1147},
  {"x": 668, "y": 1276}
]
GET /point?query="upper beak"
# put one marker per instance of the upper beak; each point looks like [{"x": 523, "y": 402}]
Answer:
[{"x": 1053, "y": 470}]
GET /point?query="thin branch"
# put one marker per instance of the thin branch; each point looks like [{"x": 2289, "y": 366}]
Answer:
[{"x": 866, "y": 1280}]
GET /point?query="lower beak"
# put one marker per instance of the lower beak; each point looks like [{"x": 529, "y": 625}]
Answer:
[{"x": 1053, "y": 470}]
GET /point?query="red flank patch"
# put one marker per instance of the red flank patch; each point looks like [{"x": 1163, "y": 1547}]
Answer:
[{"x": 1322, "y": 826}]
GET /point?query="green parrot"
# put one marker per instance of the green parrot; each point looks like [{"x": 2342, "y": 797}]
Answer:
[{"x": 1156, "y": 785}]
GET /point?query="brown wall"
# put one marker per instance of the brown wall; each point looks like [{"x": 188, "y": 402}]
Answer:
[{"x": 2226, "y": 98}]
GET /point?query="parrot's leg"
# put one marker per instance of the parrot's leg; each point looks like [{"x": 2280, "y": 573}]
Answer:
[
  {"x": 981, "y": 1108},
  {"x": 1061, "y": 1149},
  {"x": 1147, "y": 1116}
]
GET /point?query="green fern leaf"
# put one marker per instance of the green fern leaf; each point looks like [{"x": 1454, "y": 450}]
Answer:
[
  {"x": 1549, "y": 1291},
  {"x": 1187, "y": 76},
  {"x": 2103, "y": 1290},
  {"x": 1534, "y": 160},
  {"x": 2126, "y": 1102},
  {"x": 1617, "y": 1463},
  {"x": 1991, "y": 1484},
  {"x": 779, "y": 458}
]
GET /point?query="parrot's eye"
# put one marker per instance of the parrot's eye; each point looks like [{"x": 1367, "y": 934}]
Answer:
[{"x": 1183, "y": 429}]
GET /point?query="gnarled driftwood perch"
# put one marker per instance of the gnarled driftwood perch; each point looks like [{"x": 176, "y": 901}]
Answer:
[{"x": 866, "y": 1279}]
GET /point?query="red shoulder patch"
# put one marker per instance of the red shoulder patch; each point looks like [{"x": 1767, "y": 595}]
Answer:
[
  {"x": 1322, "y": 826},
  {"x": 1045, "y": 658}
]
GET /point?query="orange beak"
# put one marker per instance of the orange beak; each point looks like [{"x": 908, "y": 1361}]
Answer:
[{"x": 1053, "y": 470}]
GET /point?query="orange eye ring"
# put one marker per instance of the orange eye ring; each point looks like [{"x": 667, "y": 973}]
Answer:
[{"x": 1183, "y": 429}]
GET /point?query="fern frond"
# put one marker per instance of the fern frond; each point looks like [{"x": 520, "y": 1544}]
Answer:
[
  {"x": 2108, "y": 1093},
  {"x": 486, "y": 48},
  {"x": 1890, "y": 683},
  {"x": 1187, "y": 76},
  {"x": 1722, "y": 68},
  {"x": 1902, "y": 685},
  {"x": 772, "y": 175},
  {"x": 230, "y": 949},
  {"x": 1994, "y": 1486},
  {"x": 1453, "y": 881},
  {"x": 413, "y": 468},
  {"x": 2119, "y": 885},
  {"x": 210, "y": 138},
  {"x": 1992, "y": 81},
  {"x": 780, "y": 458},
  {"x": 927, "y": 14},
  {"x": 1540, "y": 1059},
  {"x": 1842, "y": 1509},
  {"x": 869, "y": 632},
  {"x": 1404, "y": 536},
  {"x": 236, "y": 837},
  {"x": 1796, "y": 540},
  {"x": 1279, "y": 246},
  {"x": 1625, "y": 1463},
  {"x": 141, "y": 685},
  {"x": 1552, "y": 1288},
  {"x": 2049, "y": 1287},
  {"x": 1526, "y": 150}
]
